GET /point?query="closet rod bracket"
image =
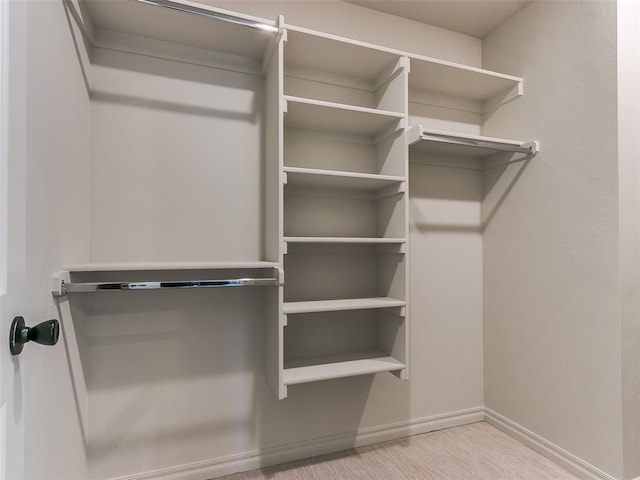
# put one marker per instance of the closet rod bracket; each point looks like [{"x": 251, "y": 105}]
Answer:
[{"x": 58, "y": 285}]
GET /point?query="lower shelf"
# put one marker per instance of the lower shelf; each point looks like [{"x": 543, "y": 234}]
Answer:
[
  {"x": 338, "y": 366},
  {"x": 338, "y": 305}
]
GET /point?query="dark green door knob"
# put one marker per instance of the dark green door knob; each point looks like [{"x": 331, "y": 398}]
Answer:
[{"x": 45, "y": 333}]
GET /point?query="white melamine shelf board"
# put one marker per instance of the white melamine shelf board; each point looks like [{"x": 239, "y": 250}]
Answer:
[
  {"x": 337, "y": 117},
  {"x": 168, "y": 266},
  {"x": 340, "y": 305},
  {"x": 343, "y": 240},
  {"x": 339, "y": 366},
  {"x": 326, "y": 53},
  {"x": 460, "y": 80},
  {"x": 312, "y": 177},
  {"x": 150, "y": 21},
  {"x": 418, "y": 144}
]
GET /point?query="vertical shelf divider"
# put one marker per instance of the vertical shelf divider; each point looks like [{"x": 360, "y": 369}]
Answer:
[{"x": 274, "y": 113}]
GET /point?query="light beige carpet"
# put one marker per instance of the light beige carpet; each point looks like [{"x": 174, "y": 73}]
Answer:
[{"x": 471, "y": 452}]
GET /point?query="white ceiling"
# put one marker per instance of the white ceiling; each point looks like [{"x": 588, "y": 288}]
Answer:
[{"x": 472, "y": 17}]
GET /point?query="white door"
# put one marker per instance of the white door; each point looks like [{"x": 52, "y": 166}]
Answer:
[
  {"x": 41, "y": 436},
  {"x": 12, "y": 233}
]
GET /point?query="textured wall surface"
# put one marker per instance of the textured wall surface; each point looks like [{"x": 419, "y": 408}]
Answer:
[{"x": 551, "y": 308}]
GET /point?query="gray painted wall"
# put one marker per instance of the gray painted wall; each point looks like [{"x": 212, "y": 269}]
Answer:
[{"x": 552, "y": 327}]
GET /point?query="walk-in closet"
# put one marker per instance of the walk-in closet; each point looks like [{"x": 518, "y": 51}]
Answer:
[{"x": 276, "y": 230}]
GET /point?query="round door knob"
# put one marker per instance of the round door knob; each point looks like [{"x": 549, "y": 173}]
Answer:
[{"x": 45, "y": 333}]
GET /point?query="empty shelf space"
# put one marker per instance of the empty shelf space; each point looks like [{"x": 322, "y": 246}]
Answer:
[
  {"x": 460, "y": 80},
  {"x": 343, "y": 240},
  {"x": 339, "y": 305},
  {"x": 311, "y": 177},
  {"x": 338, "y": 366},
  {"x": 306, "y": 50},
  {"x": 461, "y": 145},
  {"x": 337, "y": 117}
]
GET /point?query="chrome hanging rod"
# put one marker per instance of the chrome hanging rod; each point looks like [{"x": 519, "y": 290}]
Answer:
[
  {"x": 202, "y": 12},
  {"x": 432, "y": 137},
  {"x": 118, "y": 286}
]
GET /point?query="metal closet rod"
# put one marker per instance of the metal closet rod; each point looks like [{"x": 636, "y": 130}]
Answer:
[
  {"x": 201, "y": 12},
  {"x": 431, "y": 137},
  {"x": 119, "y": 286}
]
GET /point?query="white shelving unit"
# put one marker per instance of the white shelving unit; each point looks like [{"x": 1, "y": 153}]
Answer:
[
  {"x": 343, "y": 186},
  {"x": 336, "y": 117}
]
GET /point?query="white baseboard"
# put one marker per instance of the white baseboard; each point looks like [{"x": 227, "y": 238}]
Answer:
[
  {"x": 566, "y": 460},
  {"x": 285, "y": 453}
]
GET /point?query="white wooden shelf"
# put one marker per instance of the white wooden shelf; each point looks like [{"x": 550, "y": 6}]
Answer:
[
  {"x": 338, "y": 366},
  {"x": 437, "y": 142},
  {"x": 338, "y": 117},
  {"x": 168, "y": 266},
  {"x": 451, "y": 78},
  {"x": 343, "y": 240},
  {"x": 308, "y": 50},
  {"x": 312, "y": 177},
  {"x": 340, "y": 305},
  {"x": 142, "y": 20}
]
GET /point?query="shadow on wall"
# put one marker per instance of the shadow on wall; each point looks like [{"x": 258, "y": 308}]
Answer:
[
  {"x": 170, "y": 372},
  {"x": 459, "y": 198},
  {"x": 501, "y": 175},
  {"x": 177, "y": 378}
]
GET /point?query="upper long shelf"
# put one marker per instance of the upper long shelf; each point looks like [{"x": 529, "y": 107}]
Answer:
[
  {"x": 461, "y": 145},
  {"x": 309, "y": 49},
  {"x": 175, "y": 25}
]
